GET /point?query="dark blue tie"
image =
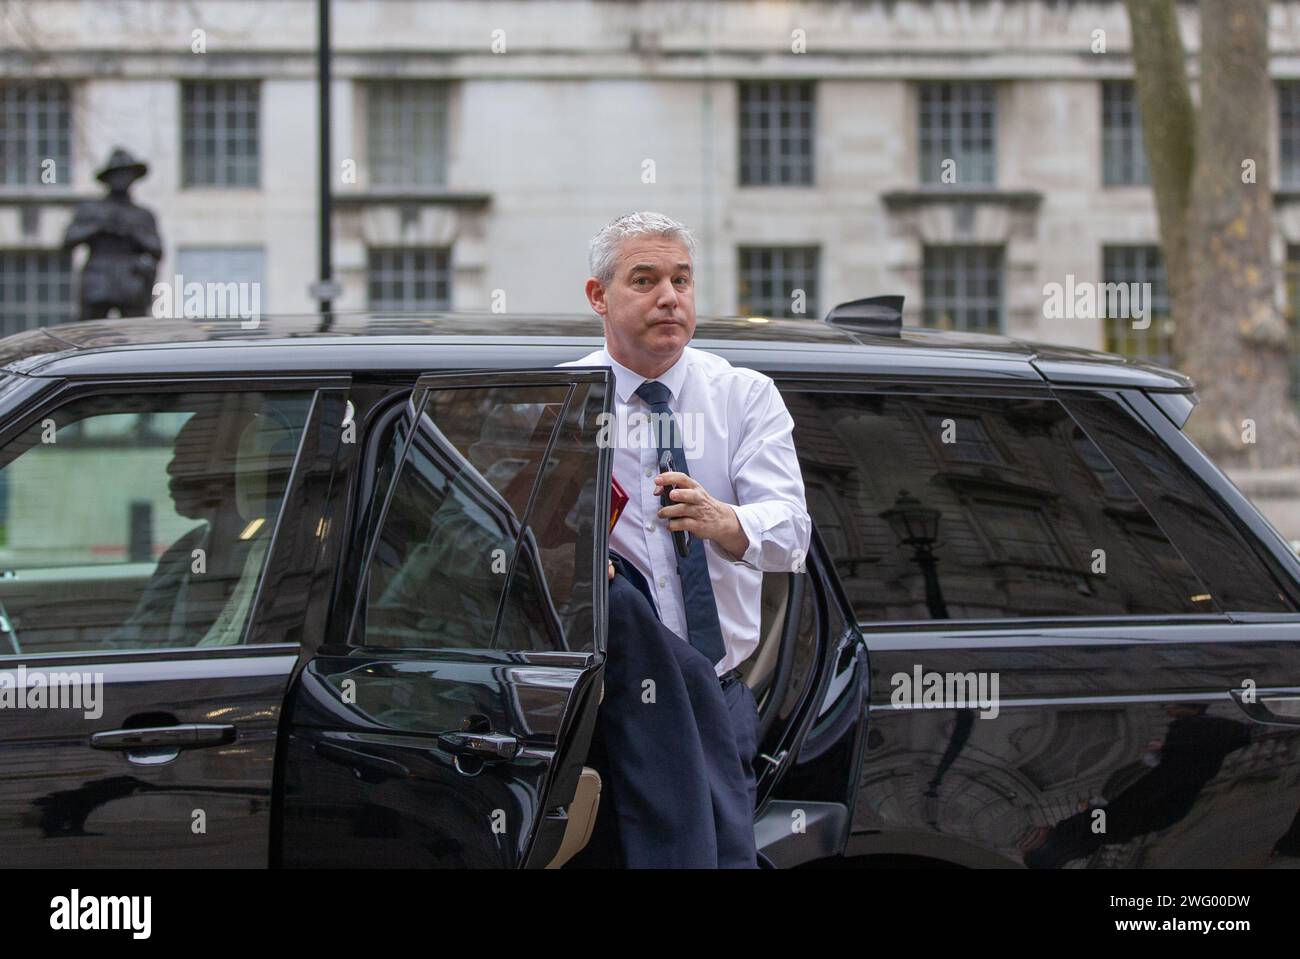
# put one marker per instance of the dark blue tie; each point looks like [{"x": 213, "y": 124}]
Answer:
[{"x": 697, "y": 591}]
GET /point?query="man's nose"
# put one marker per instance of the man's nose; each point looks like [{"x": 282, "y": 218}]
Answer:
[{"x": 667, "y": 294}]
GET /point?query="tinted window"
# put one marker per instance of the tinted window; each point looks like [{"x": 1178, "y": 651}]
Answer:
[
  {"x": 386, "y": 455},
  {"x": 1202, "y": 530},
  {"x": 554, "y": 564},
  {"x": 948, "y": 507},
  {"x": 486, "y": 537},
  {"x": 142, "y": 521}
]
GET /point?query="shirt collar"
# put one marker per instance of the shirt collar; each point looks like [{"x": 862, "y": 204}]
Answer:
[{"x": 626, "y": 381}]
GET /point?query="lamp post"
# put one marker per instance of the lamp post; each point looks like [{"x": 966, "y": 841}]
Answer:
[
  {"x": 917, "y": 526},
  {"x": 324, "y": 290}
]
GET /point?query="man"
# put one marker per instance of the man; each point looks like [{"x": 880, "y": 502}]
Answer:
[
  {"x": 738, "y": 493},
  {"x": 179, "y": 607}
]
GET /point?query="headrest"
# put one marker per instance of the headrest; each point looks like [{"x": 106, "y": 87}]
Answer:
[{"x": 264, "y": 459}]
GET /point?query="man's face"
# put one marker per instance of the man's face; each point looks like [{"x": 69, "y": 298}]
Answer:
[
  {"x": 201, "y": 472},
  {"x": 649, "y": 305}
]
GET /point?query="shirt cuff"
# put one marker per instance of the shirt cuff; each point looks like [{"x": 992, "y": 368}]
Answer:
[{"x": 749, "y": 523}]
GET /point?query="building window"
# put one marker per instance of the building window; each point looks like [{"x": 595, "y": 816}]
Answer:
[
  {"x": 772, "y": 279},
  {"x": 1288, "y": 127},
  {"x": 958, "y": 122},
  {"x": 406, "y": 124},
  {"x": 1293, "y": 314},
  {"x": 1128, "y": 265},
  {"x": 776, "y": 133},
  {"x": 1123, "y": 155},
  {"x": 403, "y": 279},
  {"x": 35, "y": 126},
  {"x": 35, "y": 289},
  {"x": 216, "y": 269},
  {"x": 220, "y": 141},
  {"x": 963, "y": 288}
]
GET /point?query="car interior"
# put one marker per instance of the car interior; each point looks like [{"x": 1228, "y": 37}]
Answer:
[{"x": 63, "y": 590}]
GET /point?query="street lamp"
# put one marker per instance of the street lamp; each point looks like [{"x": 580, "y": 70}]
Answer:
[
  {"x": 325, "y": 290},
  {"x": 917, "y": 526}
]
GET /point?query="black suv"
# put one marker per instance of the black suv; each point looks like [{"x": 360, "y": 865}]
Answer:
[{"x": 330, "y": 592}]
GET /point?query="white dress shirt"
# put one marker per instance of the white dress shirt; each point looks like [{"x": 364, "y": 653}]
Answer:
[{"x": 737, "y": 437}]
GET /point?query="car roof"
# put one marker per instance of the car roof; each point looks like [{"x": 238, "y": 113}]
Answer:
[{"x": 368, "y": 342}]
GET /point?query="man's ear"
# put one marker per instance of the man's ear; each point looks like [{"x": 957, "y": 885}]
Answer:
[{"x": 596, "y": 296}]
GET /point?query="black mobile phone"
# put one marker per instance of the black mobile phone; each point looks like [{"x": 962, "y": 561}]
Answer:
[{"x": 681, "y": 538}]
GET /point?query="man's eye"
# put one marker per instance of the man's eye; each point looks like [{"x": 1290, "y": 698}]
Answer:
[{"x": 683, "y": 279}]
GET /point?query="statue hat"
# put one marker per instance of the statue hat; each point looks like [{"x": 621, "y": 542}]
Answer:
[{"x": 123, "y": 160}]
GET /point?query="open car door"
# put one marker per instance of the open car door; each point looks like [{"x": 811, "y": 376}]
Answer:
[
  {"x": 810, "y": 678},
  {"x": 450, "y": 729}
]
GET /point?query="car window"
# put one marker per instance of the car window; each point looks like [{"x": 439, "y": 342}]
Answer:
[
  {"x": 142, "y": 521},
  {"x": 388, "y": 445},
  {"x": 1199, "y": 526},
  {"x": 974, "y": 507},
  {"x": 486, "y": 539}
]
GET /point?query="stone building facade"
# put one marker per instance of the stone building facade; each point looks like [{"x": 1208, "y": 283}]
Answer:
[{"x": 965, "y": 153}]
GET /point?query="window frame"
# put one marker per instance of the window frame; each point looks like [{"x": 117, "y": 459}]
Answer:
[
  {"x": 782, "y": 250},
  {"x": 953, "y": 128},
  {"x": 388, "y": 93},
  {"x": 1124, "y": 160},
  {"x": 49, "y": 89},
  {"x": 411, "y": 304},
  {"x": 956, "y": 251},
  {"x": 198, "y": 250},
  {"x": 1141, "y": 267},
  {"x": 31, "y": 317},
  {"x": 221, "y": 167},
  {"x": 1291, "y": 315},
  {"x": 926, "y": 387},
  {"x": 1256, "y": 535},
  {"x": 762, "y": 166},
  {"x": 413, "y": 403},
  {"x": 326, "y": 391},
  {"x": 1288, "y": 133}
]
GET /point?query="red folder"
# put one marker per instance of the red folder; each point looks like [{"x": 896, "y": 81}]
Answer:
[{"x": 617, "y": 500}]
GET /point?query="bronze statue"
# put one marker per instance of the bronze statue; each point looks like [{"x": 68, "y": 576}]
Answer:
[{"x": 124, "y": 244}]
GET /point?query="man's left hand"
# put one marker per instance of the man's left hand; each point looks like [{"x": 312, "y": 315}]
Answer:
[{"x": 699, "y": 514}]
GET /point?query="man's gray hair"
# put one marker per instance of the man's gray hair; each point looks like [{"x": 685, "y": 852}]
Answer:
[{"x": 603, "y": 250}]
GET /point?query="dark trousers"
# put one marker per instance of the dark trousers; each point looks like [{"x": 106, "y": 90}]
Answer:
[{"x": 674, "y": 747}]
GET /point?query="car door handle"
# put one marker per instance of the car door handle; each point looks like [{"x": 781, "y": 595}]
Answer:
[
  {"x": 181, "y": 736},
  {"x": 1270, "y": 709},
  {"x": 480, "y": 745}
]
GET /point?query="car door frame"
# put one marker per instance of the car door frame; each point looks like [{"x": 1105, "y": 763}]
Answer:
[
  {"x": 259, "y": 668},
  {"x": 807, "y": 783},
  {"x": 577, "y": 723}
]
